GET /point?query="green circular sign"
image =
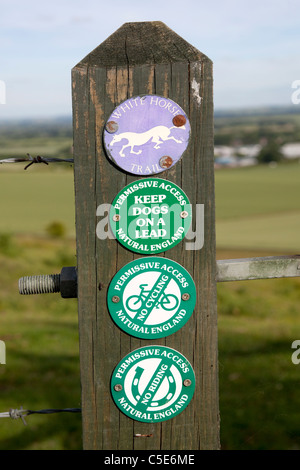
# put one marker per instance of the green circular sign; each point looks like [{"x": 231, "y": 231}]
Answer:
[
  {"x": 153, "y": 384},
  {"x": 150, "y": 216},
  {"x": 151, "y": 297}
]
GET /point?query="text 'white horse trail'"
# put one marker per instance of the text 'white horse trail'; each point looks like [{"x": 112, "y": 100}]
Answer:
[{"x": 157, "y": 135}]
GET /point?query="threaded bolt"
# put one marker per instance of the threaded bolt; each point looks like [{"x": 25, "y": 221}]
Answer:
[
  {"x": 42, "y": 284},
  {"x": 65, "y": 283}
]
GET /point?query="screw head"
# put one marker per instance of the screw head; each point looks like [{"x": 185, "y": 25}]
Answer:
[
  {"x": 187, "y": 382},
  {"x": 118, "y": 387},
  {"x": 184, "y": 214},
  {"x": 116, "y": 218},
  {"x": 111, "y": 127},
  {"x": 185, "y": 296},
  {"x": 115, "y": 299},
  {"x": 179, "y": 120},
  {"x": 165, "y": 162}
]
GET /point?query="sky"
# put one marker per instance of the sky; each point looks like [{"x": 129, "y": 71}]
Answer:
[{"x": 254, "y": 45}]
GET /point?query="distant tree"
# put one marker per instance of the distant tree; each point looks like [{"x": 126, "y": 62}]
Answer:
[{"x": 270, "y": 153}]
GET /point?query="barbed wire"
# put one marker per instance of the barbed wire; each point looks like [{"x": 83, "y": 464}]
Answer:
[
  {"x": 20, "y": 413},
  {"x": 37, "y": 159}
]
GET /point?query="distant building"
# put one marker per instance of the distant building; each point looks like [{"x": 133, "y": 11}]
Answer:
[
  {"x": 245, "y": 155},
  {"x": 291, "y": 150},
  {"x": 249, "y": 151}
]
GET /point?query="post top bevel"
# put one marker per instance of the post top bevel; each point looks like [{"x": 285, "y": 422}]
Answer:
[{"x": 138, "y": 43}]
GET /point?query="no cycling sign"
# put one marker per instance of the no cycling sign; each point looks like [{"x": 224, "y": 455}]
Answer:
[
  {"x": 153, "y": 384},
  {"x": 150, "y": 216},
  {"x": 151, "y": 297}
]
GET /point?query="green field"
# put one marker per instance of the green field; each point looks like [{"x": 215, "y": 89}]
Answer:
[
  {"x": 31, "y": 199},
  {"x": 258, "y": 208},
  {"x": 42, "y": 355},
  {"x": 258, "y": 214}
]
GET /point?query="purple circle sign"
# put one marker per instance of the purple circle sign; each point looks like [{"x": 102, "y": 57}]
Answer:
[{"x": 146, "y": 135}]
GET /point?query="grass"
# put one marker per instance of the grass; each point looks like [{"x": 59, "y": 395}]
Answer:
[
  {"x": 258, "y": 214},
  {"x": 30, "y": 200},
  {"x": 42, "y": 357},
  {"x": 46, "y": 146},
  {"x": 258, "y": 320},
  {"x": 259, "y": 402},
  {"x": 258, "y": 208},
  {"x": 257, "y": 190},
  {"x": 275, "y": 232}
]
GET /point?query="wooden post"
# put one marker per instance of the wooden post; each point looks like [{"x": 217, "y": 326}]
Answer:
[{"x": 138, "y": 59}]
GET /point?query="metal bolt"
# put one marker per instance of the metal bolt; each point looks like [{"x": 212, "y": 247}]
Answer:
[
  {"x": 118, "y": 387},
  {"x": 185, "y": 296},
  {"x": 115, "y": 299},
  {"x": 116, "y": 218},
  {"x": 44, "y": 284},
  {"x": 111, "y": 127},
  {"x": 187, "y": 382},
  {"x": 65, "y": 283},
  {"x": 165, "y": 162},
  {"x": 179, "y": 120},
  {"x": 184, "y": 214}
]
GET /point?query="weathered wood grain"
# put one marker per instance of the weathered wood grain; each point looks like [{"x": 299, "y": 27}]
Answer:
[{"x": 143, "y": 58}]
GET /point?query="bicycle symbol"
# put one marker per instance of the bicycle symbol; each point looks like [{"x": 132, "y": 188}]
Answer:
[{"x": 167, "y": 301}]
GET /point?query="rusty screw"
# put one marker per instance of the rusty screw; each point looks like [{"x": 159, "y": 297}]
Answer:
[
  {"x": 118, "y": 387},
  {"x": 116, "y": 218},
  {"x": 111, "y": 127},
  {"x": 179, "y": 120},
  {"x": 165, "y": 162},
  {"x": 115, "y": 299}
]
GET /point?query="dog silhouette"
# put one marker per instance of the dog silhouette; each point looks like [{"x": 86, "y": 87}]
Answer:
[{"x": 158, "y": 135}]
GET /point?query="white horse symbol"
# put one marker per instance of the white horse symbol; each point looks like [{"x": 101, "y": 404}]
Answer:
[{"x": 158, "y": 135}]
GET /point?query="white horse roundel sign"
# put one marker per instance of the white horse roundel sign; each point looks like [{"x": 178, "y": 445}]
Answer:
[{"x": 146, "y": 135}]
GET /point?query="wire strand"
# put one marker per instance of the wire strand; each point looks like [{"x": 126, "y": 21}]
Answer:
[
  {"x": 15, "y": 413},
  {"x": 53, "y": 410}
]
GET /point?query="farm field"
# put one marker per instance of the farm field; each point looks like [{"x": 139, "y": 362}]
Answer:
[
  {"x": 258, "y": 207},
  {"x": 32, "y": 199},
  {"x": 257, "y": 214}
]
